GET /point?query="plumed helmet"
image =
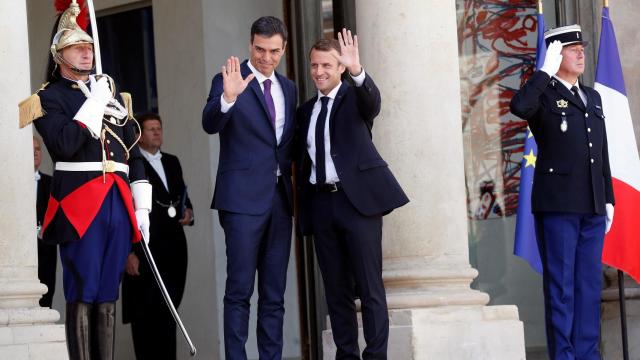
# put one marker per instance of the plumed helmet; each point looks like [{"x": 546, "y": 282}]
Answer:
[{"x": 69, "y": 32}]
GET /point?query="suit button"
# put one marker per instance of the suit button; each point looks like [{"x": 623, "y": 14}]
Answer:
[
  {"x": 563, "y": 113},
  {"x": 550, "y": 169},
  {"x": 586, "y": 115},
  {"x": 592, "y": 161},
  {"x": 108, "y": 141},
  {"x": 588, "y": 129},
  {"x": 111, "y": 153},
  {"x": 590, "y": 145}
]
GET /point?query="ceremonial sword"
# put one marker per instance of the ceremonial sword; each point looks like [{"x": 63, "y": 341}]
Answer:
[{"x": 165, "y": 293}]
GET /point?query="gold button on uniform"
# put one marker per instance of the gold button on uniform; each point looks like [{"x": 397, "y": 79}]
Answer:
[
  {"x": 592, "y": 161},
  {"x": 551, "y": 170},
  {"x": 111, "y": 154},
  {"x": 588, "y": 129},
  {"x": 590, "y": 145}
]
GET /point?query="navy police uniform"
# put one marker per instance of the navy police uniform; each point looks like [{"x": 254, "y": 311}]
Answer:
[
  {"x": 571, "y": 186},
  {"x": 83, "y": 204}
]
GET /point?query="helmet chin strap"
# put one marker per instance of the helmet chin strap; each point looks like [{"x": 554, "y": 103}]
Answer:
[{"x": 61, "y": 60}]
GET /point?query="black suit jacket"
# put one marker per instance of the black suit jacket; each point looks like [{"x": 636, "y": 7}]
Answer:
[
  {"x": 168, "y": 245},
  {"x": 572, "y": 168},
  {"x": 364, "y": 175}
]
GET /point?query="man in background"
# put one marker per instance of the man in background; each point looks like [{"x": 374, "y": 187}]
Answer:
[{"x": 152, "y": 325}]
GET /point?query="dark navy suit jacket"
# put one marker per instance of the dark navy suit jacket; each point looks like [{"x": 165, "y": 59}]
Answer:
[
  {"x": 364, "y": 175},
  {"x": 572, "y": 168},
  {"x": 249, "y": 154}
]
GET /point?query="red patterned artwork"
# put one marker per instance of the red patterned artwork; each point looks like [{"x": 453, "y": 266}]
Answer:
[{"x": 496, "y": 45}]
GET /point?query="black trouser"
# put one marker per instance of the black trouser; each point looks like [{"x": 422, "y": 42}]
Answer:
[
  {"x": 154, "y": 335},
  {"x": 47, "y": 262},
  {"x": 349, "y": 249}
]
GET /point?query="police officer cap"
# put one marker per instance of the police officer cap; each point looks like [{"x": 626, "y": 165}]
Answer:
[{"x": 568, "y": 35}]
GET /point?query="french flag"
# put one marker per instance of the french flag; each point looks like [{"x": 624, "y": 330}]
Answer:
[{"x": 622, "y": 243}]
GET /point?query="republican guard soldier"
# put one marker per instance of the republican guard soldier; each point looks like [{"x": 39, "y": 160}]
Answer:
[
  {"x": 572, "y": 197},
  {"x": 100, "y": 197}
]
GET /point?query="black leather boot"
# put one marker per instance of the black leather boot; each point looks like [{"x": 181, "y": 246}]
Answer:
[
  {"x": 104, "y": 330},
  {"x": 78, "y": 330}
]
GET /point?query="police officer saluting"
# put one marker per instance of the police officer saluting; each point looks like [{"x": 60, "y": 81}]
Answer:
[{"x": 572, "y": 196}]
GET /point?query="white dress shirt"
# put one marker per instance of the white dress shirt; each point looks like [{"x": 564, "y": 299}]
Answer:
[
  {"x": 583, "y": 96},
  {"x": 156, "y": 164},
  {"x": 330, "y": 169}
]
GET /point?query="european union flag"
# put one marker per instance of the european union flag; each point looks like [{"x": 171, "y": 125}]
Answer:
[{"x": 525, "y": 245}]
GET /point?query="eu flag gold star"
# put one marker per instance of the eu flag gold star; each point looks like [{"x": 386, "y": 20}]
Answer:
[{"x": 531, "y": 159}]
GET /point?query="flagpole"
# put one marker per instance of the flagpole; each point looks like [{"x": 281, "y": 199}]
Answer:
[
  {"x": 623, "y": 316},
  {"x": 606, "y": 3},
  {"x": 540, "y": 6}
]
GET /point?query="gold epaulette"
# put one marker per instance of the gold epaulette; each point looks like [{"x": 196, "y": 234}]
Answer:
[
  {"x": 128, "y": 103},
  {"x": 31, "y": 108}
]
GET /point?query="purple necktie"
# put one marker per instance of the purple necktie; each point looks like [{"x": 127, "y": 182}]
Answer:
[{"x": 269, "y": 100}]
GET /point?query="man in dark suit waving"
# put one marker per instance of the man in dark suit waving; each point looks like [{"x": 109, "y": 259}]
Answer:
[
  {"x": 345, "y": 189},
  {"x": 251, "y": 107}
]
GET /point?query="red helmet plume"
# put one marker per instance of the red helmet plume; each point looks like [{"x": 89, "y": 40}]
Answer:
[{"x": 83, "y": 18}]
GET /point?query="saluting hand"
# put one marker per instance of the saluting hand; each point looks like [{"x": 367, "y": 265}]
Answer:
[
  {"x": 349, "y": 57},
  {"x": 232, "y": 82},
  {"x": 553, "y": 58}
]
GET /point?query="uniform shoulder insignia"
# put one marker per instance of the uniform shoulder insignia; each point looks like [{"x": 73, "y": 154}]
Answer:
[
  {"x": 31, "y": 108},
  {"x": 128, "y": 103},
  {"x": 553, "y": 82}
]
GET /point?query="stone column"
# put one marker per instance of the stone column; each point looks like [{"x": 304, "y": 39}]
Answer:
[
  {"x": 27, "y": 331},
  {"x": 410, "y": 50}
]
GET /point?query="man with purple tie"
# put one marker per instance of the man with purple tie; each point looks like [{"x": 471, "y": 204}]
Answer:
[{"x": 252, "y": 109}]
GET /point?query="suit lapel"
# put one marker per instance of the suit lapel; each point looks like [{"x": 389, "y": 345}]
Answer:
[
  {"x": 168, "y": 173},
  {"x": 289, "y": 101},
  {"x": 336, "y": 104},
  {"x": 590, "y": 100}
]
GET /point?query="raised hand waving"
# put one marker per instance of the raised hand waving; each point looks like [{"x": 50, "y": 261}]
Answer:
[{"x": 232, "y": 82}]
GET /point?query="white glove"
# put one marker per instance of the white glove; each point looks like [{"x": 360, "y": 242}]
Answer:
[
  {"x": 142, "y": 217},
  {"x": 92, "y": 111},
  {"x": 553, "y": 59},
  {"x": 141, "y": 192},
  {"x": 609, "y": 208}
]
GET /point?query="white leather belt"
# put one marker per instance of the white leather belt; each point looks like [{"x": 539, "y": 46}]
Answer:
[{"x": 107, "y": 166}]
